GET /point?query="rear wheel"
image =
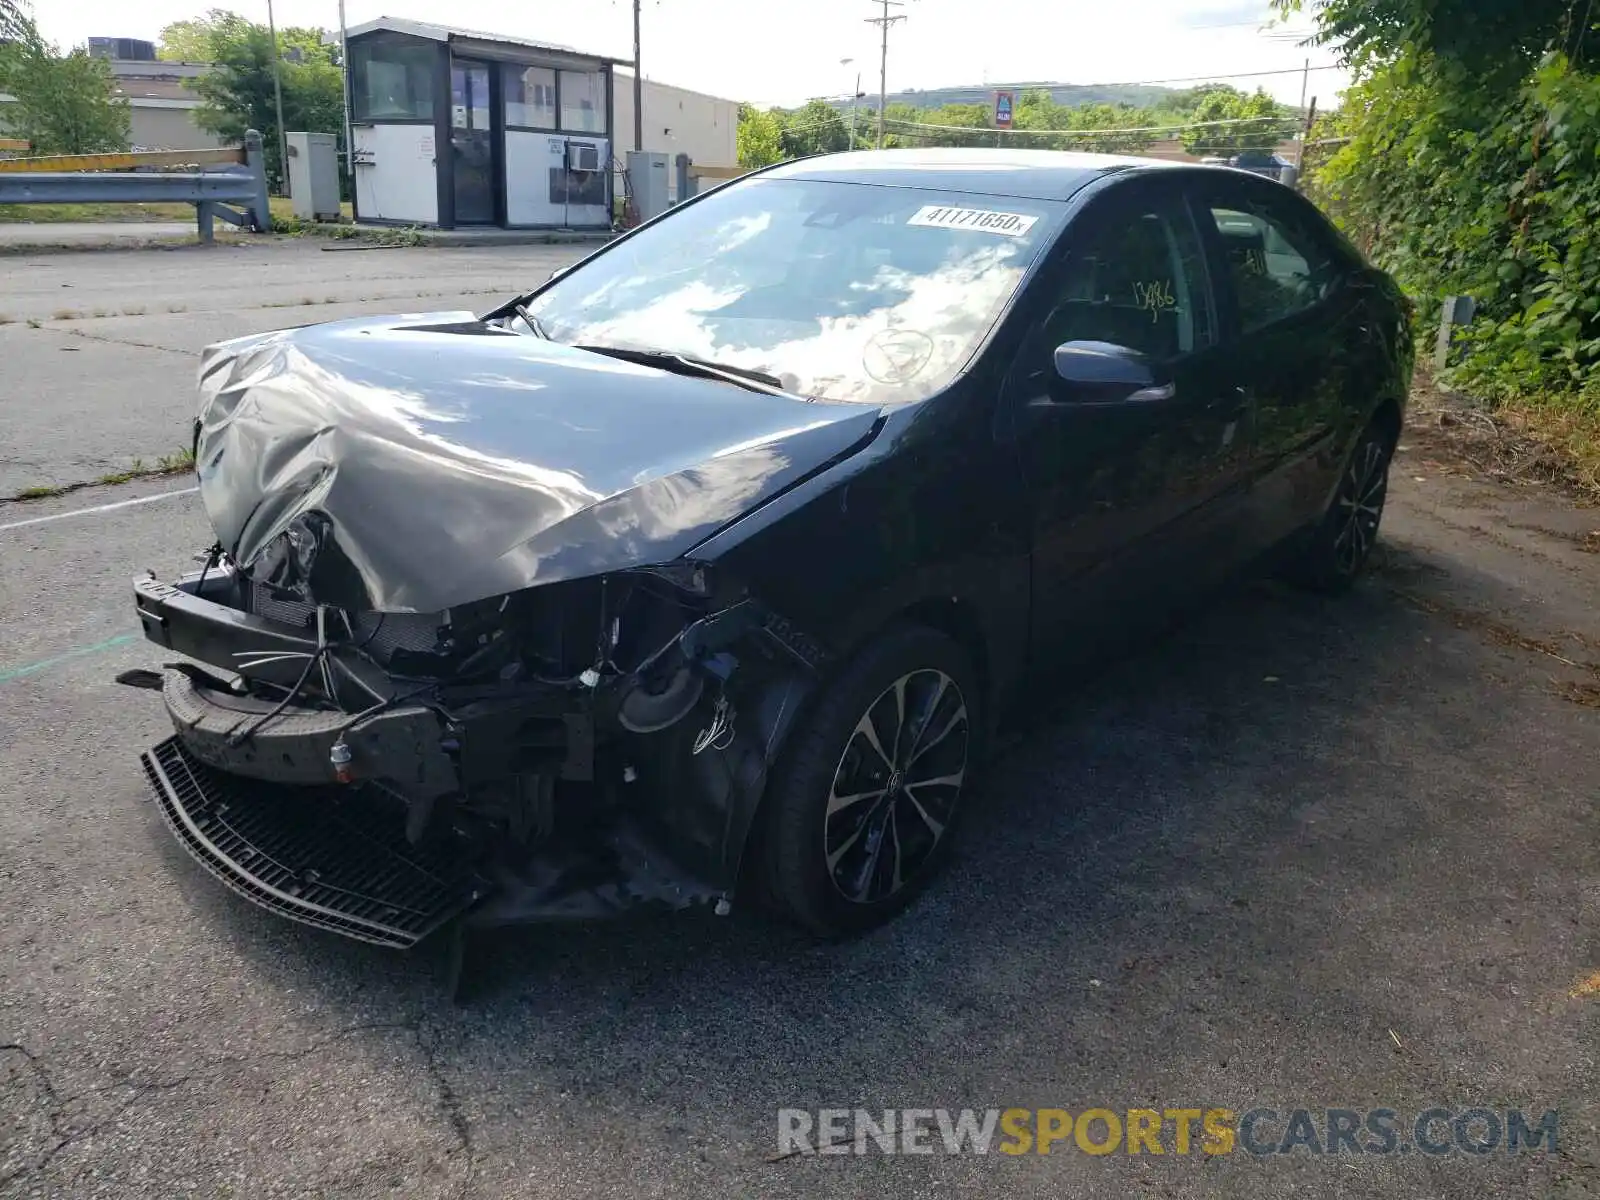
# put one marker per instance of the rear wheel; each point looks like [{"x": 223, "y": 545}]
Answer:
[
  {"x": 865, "y": 806},
  {"x": 1337, "y": 548}
]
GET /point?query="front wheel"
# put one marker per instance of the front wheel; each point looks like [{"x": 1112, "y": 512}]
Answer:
[
  {"x": 1337, "y": 548},
  {"x": 864, "y": 808}
]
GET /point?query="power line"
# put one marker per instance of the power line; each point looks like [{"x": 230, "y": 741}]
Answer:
[{"x": 1111, "y": 131}]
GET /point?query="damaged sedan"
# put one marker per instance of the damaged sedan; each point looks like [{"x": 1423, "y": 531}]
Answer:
[{"x": 707, "y": 568}]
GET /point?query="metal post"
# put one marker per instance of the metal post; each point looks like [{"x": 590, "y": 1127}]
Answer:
[
  {"x": 349, "y": 83},
  {"x": 1458, "y": 310},
  {"x": 638, "y": 85},
  {"x": 203, "y": 212},
  {"x": 256, "y": 160},
  {"x": 277, "y": 100}
]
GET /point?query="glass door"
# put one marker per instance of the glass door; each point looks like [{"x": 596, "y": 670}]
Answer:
[{"x": 471, "y": 142}]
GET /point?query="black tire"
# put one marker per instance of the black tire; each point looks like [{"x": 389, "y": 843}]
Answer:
[
  {"x": 1335, "y": 551},
  {"x": 815, "y": 852}
]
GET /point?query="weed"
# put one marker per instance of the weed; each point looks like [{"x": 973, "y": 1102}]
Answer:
[
  {"x": 66, "y": 314},
  {"x": 35, "y": 323},
  {"x": 169, "y": 464}
]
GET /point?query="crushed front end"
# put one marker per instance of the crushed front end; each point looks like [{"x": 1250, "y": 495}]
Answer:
[
  {"x": 568, "y": 751},
  {"x": 453, "y": 649}
]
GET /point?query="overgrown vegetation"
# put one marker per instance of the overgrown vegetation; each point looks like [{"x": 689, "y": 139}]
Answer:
[
  {"x": 1213, "y": 119},
  {"x": 65, "y": 103},
  {"x": 1473, "y": 168}
]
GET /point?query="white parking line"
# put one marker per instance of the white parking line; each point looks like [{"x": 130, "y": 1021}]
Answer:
[{"x": 98, "y": 508}]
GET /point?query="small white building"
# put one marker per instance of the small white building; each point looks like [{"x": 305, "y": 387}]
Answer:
[{"x": 452, "y": 128}]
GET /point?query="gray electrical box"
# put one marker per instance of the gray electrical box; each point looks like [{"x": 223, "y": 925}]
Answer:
[
  {"x": 649, "y": 182},
  {"x": 314, "y": 176}
]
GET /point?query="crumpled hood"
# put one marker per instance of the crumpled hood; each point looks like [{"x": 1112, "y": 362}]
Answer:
[{"x": 414, "y": 463}]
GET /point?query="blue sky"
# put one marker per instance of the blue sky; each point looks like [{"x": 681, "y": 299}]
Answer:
[{"x": 783, "y": 51}]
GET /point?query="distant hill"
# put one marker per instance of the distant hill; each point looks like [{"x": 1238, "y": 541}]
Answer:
[{"x": 1071, "y": 94}]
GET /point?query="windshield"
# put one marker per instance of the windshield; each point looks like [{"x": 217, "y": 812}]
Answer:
[{"x": 841, "y": 291}]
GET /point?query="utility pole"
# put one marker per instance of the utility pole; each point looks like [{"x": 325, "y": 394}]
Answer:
[
  {"x": 638, "y": 85},
  {"x": 883, "y": 24},
  {"x": 277, "y": 100},
  {"x": 349, "y": 134},
  {"x": 855, "y": 98},
  {"x": 1300, "y": 150}
]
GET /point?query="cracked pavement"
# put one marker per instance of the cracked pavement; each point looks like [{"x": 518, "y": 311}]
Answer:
[{"x": 1297, "y": 853}]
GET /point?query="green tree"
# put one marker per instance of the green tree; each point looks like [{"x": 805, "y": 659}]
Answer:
[
  {"x": 65, "y": 103},
  {"x": 760, "y": 136},
  {"x": 238, "y": 93},
  {"x": 1255, "y": 122},
  {"x": 195, "y": 40},
  {"x": 816, "y": 128}
]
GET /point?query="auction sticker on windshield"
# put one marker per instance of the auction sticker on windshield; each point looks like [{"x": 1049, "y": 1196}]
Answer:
[{"x": 941, "y": 216}]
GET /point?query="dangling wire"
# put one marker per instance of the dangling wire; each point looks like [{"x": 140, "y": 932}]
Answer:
[{"x": 318, "y": 659}]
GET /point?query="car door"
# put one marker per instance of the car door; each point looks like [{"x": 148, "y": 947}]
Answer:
[
  {"x": 1296, "y": 330},
  {"x": 1126, "y": 496}
]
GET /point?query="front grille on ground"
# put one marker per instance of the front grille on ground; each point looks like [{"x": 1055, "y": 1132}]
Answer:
[{"x": 336, "y": 858}]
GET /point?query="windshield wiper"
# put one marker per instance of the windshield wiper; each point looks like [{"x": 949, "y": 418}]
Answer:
[
  {"x": 529, "y": 319},
  {"x": 682, "y": 364}
]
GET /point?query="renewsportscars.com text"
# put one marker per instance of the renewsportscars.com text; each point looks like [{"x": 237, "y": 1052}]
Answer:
[{"x": 1177, "y": 1131}]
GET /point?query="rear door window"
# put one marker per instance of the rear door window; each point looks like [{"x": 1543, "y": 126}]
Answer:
[{"x": 1275, "y": 266}]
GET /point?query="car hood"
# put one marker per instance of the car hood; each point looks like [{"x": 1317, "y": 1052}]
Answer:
[{"x": 418, "y": 462}]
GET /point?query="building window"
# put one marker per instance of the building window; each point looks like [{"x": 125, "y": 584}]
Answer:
[
  {"x": 530, "y": 95},
  {"x": 392, "y": 81},
  {"x": 583, "y": 102}
]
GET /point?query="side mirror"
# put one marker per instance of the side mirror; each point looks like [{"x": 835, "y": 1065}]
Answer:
[{"x": 1106, "y": 373}]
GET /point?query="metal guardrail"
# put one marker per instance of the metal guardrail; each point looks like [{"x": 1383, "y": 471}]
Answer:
[
  {"x": 693, "y": 177},
  {"x": 238, "y": 196}
]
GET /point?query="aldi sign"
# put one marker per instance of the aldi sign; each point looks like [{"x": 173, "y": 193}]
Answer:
[{"x": 1003, "y": 104}]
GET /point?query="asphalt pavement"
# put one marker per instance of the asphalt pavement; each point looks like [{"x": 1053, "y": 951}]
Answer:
[
  {"x": 1299, "y": 853},
  {"x": 98, "y": 349}
]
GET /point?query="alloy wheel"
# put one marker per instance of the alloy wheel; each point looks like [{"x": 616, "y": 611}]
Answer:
[
  {"x": 896, "y": 786},
  {"x": 1360, "y": 505}
]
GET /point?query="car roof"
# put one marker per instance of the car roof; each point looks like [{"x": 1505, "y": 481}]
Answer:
[{"x": 1030, "y": 174}]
